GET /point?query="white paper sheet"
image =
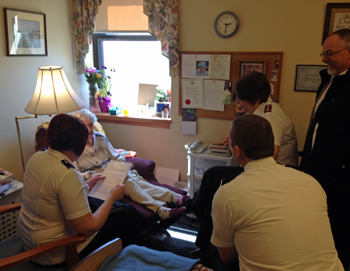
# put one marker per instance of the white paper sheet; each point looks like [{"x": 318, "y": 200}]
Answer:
[
  {"x": 190, "y": 66},
  {"x": 220, "y": 67},
  {"x": 115, "y": 173},
  {"x": 189, "y": 127},
  {"x": 192, "y": 93},
  {"x": 213, "y": 94}
]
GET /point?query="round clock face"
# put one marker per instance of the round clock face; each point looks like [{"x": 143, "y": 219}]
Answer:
[{"x": 226, "y": 24}]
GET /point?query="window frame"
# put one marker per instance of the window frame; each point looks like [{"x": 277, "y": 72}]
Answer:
[{"x": 97, "y": 39}]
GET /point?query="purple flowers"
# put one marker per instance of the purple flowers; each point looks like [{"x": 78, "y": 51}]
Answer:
[{"x": 104, "y": 103}]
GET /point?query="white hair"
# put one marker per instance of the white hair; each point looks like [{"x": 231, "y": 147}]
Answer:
[{"x": 85, "y": 115}]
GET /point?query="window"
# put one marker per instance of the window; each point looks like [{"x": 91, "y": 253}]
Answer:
[{"x": 137, "y": 59}]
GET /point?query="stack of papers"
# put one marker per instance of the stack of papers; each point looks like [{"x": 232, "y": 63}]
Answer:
[{"x": 218, "y": 149}]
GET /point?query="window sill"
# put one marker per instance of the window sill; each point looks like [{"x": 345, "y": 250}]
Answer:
[{"x": 136, "y": 121}]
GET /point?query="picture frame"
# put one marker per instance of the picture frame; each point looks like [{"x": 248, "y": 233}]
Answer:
[
  {"x": 307, "y": 77},
  {"x": 25, "y": 33},
  {"x": 249, "y": 67},
  {"x": 337, "y": 17}
]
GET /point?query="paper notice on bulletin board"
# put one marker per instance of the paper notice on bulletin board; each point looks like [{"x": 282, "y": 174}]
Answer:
[
  {"x": 220, "y": 67},
  {"x": 189, "y": 121},
  {"x": 214, "y": 95},
  {"x": 192, "y": 93},
  {"x": 196, "y": 66}
]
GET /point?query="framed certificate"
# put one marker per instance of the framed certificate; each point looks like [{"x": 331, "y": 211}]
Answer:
[
  {"x": 307, "y": 77},
  {"x": 337, "y": 17}
]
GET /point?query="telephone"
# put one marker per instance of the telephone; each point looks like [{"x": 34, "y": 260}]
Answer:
[{"x": 198, "y": 146}]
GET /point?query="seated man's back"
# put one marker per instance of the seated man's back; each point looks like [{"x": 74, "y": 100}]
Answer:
[
  {"x": 273, "y": 217},
  {"x": 277, "y": 217}
]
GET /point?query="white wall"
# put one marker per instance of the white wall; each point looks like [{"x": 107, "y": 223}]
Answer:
[
  {"x": 294, "y": 27},
  {"x": 18, "y": 77}
]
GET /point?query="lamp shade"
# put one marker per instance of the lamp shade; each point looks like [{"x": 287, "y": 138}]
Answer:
[{"x": 53, "y": 94}]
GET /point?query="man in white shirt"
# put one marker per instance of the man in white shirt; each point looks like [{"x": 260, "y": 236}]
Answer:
[{"x": 272, "y": 217}]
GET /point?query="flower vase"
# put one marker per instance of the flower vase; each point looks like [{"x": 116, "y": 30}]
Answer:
[
  {"x": 104, "y": 103},
  {"x": 103, "y": 106},
  {"x": 94, "y": 107}
]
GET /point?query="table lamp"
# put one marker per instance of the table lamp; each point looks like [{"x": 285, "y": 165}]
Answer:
[{"x": 52, "y": 95}]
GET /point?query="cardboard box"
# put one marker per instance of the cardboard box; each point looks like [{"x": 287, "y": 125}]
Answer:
[{"x": 5, "y": 177}]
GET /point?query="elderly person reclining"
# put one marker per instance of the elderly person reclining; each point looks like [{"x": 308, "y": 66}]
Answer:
[{"x": 99, "y": 152}]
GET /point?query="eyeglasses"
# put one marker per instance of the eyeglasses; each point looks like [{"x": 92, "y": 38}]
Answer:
[{"x": 326, "y": 54}]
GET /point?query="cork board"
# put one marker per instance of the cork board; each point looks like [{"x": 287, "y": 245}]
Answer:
[{"x": 272, "y": 69}]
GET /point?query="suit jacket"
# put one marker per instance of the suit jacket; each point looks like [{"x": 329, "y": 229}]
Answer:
[{"x": 329, "y": 160}]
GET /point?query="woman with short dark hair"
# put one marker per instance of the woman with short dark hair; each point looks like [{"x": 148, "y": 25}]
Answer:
[{"x": 55, "y": 203}]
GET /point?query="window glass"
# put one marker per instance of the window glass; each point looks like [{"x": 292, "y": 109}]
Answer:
[{"x": 137, "y": 59}]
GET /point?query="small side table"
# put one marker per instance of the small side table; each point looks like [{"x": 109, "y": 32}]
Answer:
[
  {"x": 8, "y": 222},
  {"x": 198, "y": 163}
]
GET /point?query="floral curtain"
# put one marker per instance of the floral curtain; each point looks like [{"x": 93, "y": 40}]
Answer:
[
  {"x": 84, "y": 17},
  {"x": 163, "y": 24}
]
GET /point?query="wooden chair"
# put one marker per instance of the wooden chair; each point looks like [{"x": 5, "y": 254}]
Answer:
[
  {"x": 96, "y": 258},
  {"x": 13, "y": 256}
]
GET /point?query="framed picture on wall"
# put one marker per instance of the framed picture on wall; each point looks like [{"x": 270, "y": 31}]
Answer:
[
  {"x": 249, "y": 67},
  {"x": 25, "y": 33},
  {"x": 307, "y": 77},
  {"x": 337, "y": 17}
]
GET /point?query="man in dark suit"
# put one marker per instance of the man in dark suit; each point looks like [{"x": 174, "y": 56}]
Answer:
[{"x": 326, "y": 154}]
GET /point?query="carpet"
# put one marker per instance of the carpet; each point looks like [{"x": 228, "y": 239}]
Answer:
[{"x": 160, "y": 239}]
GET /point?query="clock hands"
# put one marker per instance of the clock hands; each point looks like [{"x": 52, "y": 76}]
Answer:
[{"x": 226, "y": 26}]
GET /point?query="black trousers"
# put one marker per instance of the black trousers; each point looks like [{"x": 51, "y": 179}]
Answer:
[
  {"x": 202, "y": 200},
  {"x": 339, "y": 217},
  {"x": 122, "y": 223}
]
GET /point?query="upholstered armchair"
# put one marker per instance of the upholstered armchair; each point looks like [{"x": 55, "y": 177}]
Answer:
[{"x": 145, "y": 167}]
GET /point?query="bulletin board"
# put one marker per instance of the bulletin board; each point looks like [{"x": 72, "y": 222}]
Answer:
[{"x": 272, "y": 69}]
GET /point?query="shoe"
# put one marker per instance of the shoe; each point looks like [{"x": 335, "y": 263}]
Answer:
[
  {"x": 174, "y": 215},
  {"x": 182, "y": 201},
  {"x": 197, "y": 253}
]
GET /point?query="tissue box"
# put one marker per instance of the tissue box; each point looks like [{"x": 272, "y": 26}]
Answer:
[{"x": 5, "y": 177}]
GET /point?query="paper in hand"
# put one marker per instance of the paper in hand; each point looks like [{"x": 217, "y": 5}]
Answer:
[{"x": 115, "y": 174}]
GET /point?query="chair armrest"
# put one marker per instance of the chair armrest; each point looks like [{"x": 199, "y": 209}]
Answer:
[
  {"x": 10, "y": 208},
  {"x": 68, "y": 243},
  {"x": 145, "y": 167},
  {"x": 95, "y": 259}
]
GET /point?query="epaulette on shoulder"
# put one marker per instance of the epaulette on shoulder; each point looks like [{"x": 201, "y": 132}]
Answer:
[
  {"x": 67, "y": 164},
  {"x": 268, "y": 108}
]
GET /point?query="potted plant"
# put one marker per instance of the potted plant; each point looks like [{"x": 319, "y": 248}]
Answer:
[
  {"x": 162, "y": 96},
  {"x": 104, "y": 93}
]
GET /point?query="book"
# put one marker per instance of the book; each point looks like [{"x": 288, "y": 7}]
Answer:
[
  {"x": 219, "y": 148},
  {"x": 5, "y": 177},
  {"x": 115, "y": 174},
  {"x": 219, "y": 154}
]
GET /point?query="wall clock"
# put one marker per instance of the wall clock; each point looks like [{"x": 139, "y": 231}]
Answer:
[{"x": 226, "y": 24}]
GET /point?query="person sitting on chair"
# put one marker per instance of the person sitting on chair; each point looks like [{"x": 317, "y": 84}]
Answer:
[
  {"x": 273, "y": 217},
  {"x": 253, "y": 93},
  {"x": 55, "y": 201},
  {"x": 95, "y": 158}
]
